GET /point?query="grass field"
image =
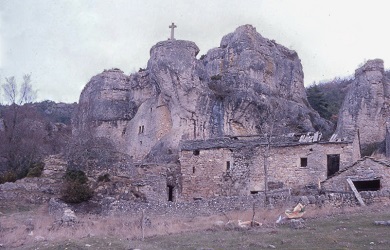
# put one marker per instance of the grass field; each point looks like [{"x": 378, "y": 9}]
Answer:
[{"x": 351, "y": 228}]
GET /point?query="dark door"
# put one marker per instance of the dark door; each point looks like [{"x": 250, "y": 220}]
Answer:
[{"x": 333, "y": 162}]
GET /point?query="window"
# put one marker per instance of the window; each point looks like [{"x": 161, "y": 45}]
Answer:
[
  {"x": 369, "y": 185},
  {"x": 193, "y": 170},
  {"x": 170, "y": 192},
  {"x": 196, "y": 152},
  {"x": 333, "y": 164},
  {"x": 303, "y": 162},
  {"x": 228, "y": 166},
  {"x": 141, "y": 129}
]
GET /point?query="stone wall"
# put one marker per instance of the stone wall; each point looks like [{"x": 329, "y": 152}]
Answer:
[
  {"x": 214, "y": 172},
  {"x": 221, "y": 205},
  {"x": 203, "y": 172}
]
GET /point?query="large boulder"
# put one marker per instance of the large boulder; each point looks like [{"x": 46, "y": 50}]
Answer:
[
  {"x": 366, "y": 108},
  {"x": 258, "y": 85},
  {"x": 248, "y": 86}
]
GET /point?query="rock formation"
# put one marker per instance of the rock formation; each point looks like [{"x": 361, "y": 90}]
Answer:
[
  {"x": 366, "y": 108},
  {"x": 248, "y": 86}
]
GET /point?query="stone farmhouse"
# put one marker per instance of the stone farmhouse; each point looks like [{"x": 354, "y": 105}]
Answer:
[{"x": 235, "y": 166}]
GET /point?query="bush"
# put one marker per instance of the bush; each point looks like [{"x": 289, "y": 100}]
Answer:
[
  {"x": 76, "y": 192},
  {"x": 76, "y": 176},
  {"x": 216, "y": 77},
  {"x": 9, "y": 176},
  {"x": 76, "y": 189},
  {"x": 36, "y": 170},
  {"x": 104, "y": 178}
]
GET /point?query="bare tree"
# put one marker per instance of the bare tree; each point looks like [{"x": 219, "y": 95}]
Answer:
[
  {"x": 22, "y": 136},
  {"x": 19, "y": 95}
]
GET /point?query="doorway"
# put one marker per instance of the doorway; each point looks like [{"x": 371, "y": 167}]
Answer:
[{"x": 333, "y": 163}]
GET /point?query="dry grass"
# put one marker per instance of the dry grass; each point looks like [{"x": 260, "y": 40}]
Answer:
[{"x": 30, "y": 229}]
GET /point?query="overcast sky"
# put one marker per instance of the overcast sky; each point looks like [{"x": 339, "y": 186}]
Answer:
[{"x": 64, "y": 43}]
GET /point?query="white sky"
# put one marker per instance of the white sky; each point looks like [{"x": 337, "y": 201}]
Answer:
[{"x": 64, "y": 43}]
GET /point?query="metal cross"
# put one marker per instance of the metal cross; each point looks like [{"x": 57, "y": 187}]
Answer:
[{"x": 172, "y": 27}]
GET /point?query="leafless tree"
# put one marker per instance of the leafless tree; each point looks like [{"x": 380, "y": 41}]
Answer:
[
  {"x": 87, "y": 152},
  {"x": 19, "y": 95},
  {"x": 23, "y": 132}
]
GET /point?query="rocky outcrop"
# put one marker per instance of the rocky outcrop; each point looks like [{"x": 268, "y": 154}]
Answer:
[
  {"x": 248, "y": 86},
  {"x": 366, "y": 108}
]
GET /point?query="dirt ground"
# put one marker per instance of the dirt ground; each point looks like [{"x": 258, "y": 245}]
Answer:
[{"x": 30, "y": 227}]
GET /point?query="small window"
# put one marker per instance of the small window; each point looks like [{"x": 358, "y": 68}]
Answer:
[
  {"x": 193, "y": 170},
  {"x": 303, "y": 162},
  {"x": 140, "y": 142},
  {"x": 170, "y": 192},
  {"x": 141, "y": 129},
  {"x": 196, "y": 152},
  {"x": 228, "y": 166},
  {"x": 369, "y": 185}
]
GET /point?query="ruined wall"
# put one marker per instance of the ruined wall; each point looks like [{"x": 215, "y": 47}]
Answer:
[
  {"x": 365, "y": 169},
  {"x": 246, "y": 168},
  {"x": 203, "y": 172},
  {"x": 285, "y": 162}
]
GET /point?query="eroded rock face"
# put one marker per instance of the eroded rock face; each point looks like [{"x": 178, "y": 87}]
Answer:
[
  {"x": 366, "y": 107},
  {"x": 248, "y": 86},
  {"x": 257, "y": 82}
]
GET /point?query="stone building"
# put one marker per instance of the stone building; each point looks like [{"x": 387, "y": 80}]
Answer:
[
  {"x": 367, "y": 174},
  {"x": 235, "y": 165}
]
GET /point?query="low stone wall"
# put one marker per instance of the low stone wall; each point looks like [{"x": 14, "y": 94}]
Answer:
[{"x": 220, "y": 205}]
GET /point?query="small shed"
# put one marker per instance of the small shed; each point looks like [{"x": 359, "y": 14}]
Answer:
[{"x": 367, "y": 174}]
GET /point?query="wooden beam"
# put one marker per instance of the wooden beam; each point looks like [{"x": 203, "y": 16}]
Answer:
[{"x": 357, "y": 195}]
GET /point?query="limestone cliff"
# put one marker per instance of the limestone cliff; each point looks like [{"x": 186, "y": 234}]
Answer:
[
  {"x": 248, "y": 86},
  {"x": 366, "y": 106}
]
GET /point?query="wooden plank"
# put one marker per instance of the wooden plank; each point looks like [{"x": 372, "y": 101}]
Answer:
[{"x": 357, "y": 195}]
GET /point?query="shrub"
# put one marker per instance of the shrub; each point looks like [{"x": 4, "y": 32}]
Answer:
[
  {"x": 216, "y": 77},
  {"x": 76, "y": 189},
  {"x": 104, "y": 178},
  {"x": 36, "y": 170},
  {"x": 9, "y": 176},
  {"x": 76, "y": 176},
  {"x": 76, "y": 192}
]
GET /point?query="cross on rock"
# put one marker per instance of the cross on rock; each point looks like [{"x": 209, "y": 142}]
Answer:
[{"x": 172, "y": 27}]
